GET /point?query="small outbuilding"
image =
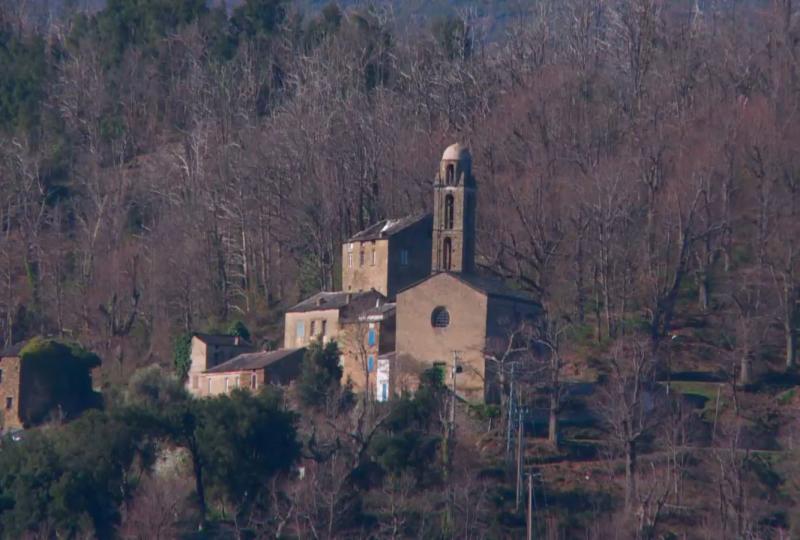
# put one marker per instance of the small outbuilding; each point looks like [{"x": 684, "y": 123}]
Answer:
[{"x": 251, "y": 371}]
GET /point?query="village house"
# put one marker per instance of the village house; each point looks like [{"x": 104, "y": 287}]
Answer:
[
  {"x": 366, "y": 338},
  {"x": 210, "y": 350},
  {"x": 251, "y": 371},
  {"x": 362, "y": 324},
  {"x": 388, "y": 256},
  {"x": 321, "y": 316}
]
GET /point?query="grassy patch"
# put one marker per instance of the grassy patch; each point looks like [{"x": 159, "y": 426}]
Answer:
[
  {"x": 707, "y": 392},
  {"x": 785, "y": 398},
  {"x": 703, "y": 389}
]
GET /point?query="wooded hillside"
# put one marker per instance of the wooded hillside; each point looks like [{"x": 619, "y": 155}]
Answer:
[{"x": 168, "y": 166}]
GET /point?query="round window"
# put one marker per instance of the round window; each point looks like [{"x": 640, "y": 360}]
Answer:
[{"x": 440, "y": 318}]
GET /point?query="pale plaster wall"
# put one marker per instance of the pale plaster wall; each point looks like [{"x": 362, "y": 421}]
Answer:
[
  {"x": 332, "y": 329},
  {"x": 357, "y": 277}
]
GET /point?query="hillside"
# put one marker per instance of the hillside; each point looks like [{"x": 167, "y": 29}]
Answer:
[{"x": 168, "y": 167}]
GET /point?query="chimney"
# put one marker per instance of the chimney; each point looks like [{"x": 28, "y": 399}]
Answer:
[
  {"x": 348, "y": 298},
  {"x": 236, "y": 340}
]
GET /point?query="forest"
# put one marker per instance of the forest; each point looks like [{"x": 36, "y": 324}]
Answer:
[{"x": 169, "y": 166}]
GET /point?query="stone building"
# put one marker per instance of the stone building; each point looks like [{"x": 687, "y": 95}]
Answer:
[
  {"x": 10, "y": 388},
  {"x": 449, "y": 318},
  {"x": 388, "y": 256},
  {"x": 209, "y": 350},
  {"x": 320, "y": 317},
  {"x": 43, "y": 379},
  {"x": 366, "y": 337},
  {"x": 454, "y": 213},
  {"x": 443, "y": 315},
  {"x": 251, "y": 371},
  {"x": 362, "y": 324}
]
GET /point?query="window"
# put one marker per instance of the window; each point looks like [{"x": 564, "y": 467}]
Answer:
[
  {"x": 1, "y": 375},
  {"x": 403, "y": 257},
  {"x": 313, "y": 328},
  {"x": 447, "y": 254},
  {"x": 9, "y": 403},
  {"x": 374, "y": 256},
  {"x": 349, "y": 260},
  {"x": 450, "y": 175},
  {"x": 227, "y": 384},
  {"x": 371, "y": 337},
  {"x": 440, "y": 318},
  {"x": 253, "y": 381},
  {"x": 361, "y": 258},
  {"x": 449, "y": 205},
  {"x": 370, "y": 363},
  {"x": 384, "y": 392},
  {"x": 300, "y": 329},
  {"x": 324, "y": 327}
]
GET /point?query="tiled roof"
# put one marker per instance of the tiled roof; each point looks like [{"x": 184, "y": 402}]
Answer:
[
  {"x": 388, "y": 227},
  {"x": 256, "y": 360}
]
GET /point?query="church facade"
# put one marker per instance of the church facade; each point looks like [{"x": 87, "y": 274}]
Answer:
[{"x": 412, "y": 299}]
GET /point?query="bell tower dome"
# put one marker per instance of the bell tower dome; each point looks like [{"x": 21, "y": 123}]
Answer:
[{"x": 454, "y": 213}]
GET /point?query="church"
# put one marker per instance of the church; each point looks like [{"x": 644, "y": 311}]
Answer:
[{"x": 412, "y": 299}]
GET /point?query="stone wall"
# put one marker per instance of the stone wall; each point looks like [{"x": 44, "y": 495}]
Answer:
[
  {"x": 373, "y": 273},
  {"x": 291, "y": 339},
  {"x": 420, "y": 345},
  {"x": 356, "y": 350}
]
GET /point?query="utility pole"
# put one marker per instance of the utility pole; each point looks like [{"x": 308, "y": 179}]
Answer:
[
  {"x": 520, "y": 460},
  {"x": 456, "y": 371},
  {"x": 529, "y": 521},
  {"x": 510, "y": 415}
]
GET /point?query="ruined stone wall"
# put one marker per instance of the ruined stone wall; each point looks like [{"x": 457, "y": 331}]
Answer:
[{"x": 10, "y": 390}]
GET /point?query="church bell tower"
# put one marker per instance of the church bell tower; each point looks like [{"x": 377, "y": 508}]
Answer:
[{"x": 454, "y": 213}]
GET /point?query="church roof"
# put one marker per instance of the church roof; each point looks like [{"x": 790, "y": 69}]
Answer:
[
  {"x": 256, "y": 360},
  {"x": 456, "y": 152},
  {"x": 488, "y": 286},
  {"x": 388, "y": 227},
  {"x": 495, "y": 287}
]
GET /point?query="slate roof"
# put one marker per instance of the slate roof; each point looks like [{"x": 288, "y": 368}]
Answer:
[
  {"x": 382, "y": 311},
  {"x": 332, "y": 300},
  {"x": 388, "y": 227},
  {"x": 221, "y": 340},
  {"x": 495, "y": 287},
  {"x": 256, "y": 360},
  {"x": 489, "y": 286}
]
